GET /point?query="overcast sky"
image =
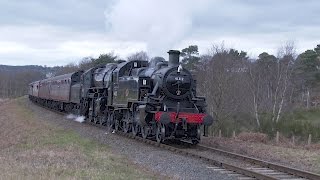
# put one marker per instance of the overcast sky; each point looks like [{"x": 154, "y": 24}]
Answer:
[{"x": 58, "y": 32}]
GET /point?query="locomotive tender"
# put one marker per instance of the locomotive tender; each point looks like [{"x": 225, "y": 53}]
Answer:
[{"x": 156, "y": 99}]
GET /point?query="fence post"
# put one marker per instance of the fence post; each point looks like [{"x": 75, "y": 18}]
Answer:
[
  {"x": 309, "y": 139},
  {"x": 219, "y": 133},
  {"x": 293, "y": 140},
  {"x": 205, "y": 131},
  {"x": 277, "y": 137},
  {"x": 234, "y": 134}
]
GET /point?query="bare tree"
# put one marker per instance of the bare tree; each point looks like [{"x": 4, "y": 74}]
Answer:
[
  {"x": 69, "y": 68},
  {"x": 270, "y": 83},
  {"x": 142, "y": 55},
  {"x": 255, "y": 88},
  {"x": 220, "y": 77},
  {"x": 286, "y": 56}
]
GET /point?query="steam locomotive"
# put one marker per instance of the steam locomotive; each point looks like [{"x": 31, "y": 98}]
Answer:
[{"x": 156, "y": 99}]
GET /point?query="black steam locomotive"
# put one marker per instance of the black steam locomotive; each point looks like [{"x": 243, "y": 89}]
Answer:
[{"x": 154, "y": 99}]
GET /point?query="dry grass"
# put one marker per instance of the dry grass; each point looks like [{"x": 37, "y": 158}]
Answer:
[
  {"x": 32, "y": 149},
  {"x": 253, "y": 137}
]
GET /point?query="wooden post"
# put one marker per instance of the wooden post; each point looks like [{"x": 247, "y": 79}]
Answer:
[
  {"x": 219, "y": 133},
  {"x": 277, "y": 137},
  {"x": 234, "y": 134},
  {"x": 293, "y": 140},
  {"x": 309, "y": 139},
  {"x": 205, "y": 131}
]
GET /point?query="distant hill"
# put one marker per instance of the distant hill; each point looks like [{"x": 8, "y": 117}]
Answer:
[
  {"x": 35, "y": 68},
  {"x": 14, "y": 80}
]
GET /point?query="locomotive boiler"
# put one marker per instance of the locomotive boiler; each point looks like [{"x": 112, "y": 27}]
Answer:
[{"x": 156, "y": 99}]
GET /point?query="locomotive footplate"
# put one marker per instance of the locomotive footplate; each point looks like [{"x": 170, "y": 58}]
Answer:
[{"x": 182, "y": 117}]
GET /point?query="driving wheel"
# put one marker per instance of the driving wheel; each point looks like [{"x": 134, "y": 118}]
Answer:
[{"x": 144, "y": 131}]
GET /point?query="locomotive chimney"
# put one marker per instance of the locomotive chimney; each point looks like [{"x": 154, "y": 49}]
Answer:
[{"x": 174, "y": 56}]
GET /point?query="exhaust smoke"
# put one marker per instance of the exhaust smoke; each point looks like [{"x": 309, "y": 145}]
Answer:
[{"x": 76, "y": 118}]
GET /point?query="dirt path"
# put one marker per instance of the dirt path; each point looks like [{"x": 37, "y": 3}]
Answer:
[{"x": 30, "y": 148}]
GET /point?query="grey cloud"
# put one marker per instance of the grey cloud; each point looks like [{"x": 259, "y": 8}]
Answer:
[
  {"x": 187, "y": 20},
  {"x": 58, "y": 31},
  {"x": 75, "y": 14},
  {"x": 247, "y": 17}
]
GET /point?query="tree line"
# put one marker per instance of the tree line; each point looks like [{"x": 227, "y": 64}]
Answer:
[{"x": 260, "y": 94}]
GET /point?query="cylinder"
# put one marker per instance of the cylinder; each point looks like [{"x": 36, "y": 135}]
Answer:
[
  {"x": 174, "y": 56},
  {"x": 208, "y": 120},
  {"x": 165, "y": 118}
]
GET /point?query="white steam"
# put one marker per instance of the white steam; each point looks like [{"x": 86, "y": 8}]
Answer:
[
  {"x": 160, "y": 24},
  {"x": 77, "y": 118}
]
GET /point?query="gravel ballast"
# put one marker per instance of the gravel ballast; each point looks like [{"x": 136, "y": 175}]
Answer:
[{"x": 162, "y": 162}]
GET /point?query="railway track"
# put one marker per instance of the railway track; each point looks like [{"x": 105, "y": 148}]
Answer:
[
  {"x": 257, "y": 169},
  {"x": 268, "y": 168}
]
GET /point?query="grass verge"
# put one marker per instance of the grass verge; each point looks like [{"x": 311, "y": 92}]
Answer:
[{"x": 43, "y": 151}]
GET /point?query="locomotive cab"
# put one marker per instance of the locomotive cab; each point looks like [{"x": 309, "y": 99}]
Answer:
[{"x": 126, "y": 84}]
